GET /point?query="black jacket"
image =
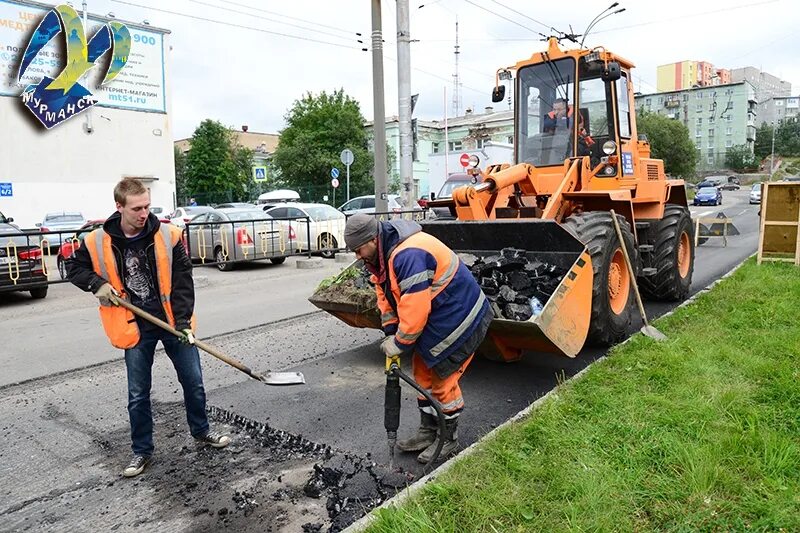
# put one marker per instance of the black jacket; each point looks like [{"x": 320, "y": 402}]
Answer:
[{"x": 81, "y": 273}]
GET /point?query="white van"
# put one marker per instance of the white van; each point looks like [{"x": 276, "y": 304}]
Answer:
[{"x": 273, "y": 198}]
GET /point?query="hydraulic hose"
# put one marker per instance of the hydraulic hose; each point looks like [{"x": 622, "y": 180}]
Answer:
[{"x": 395, "y": 369}]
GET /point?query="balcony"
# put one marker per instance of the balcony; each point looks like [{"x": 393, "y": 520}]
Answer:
[{"x": 672, "y": 101}]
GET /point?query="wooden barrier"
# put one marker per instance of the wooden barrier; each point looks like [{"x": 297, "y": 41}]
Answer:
[
  {"x": 779, "y": 238},
  {"x": 711, "y": 221}
]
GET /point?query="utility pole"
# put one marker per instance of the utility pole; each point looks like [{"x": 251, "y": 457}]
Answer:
[
  {"x": 404, "y": 103},
  {"x": 379, "y": 112},
  {"x": 772, "y": 154}
]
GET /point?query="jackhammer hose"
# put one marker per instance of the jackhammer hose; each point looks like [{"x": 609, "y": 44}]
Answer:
[{"x": 394, "y": 369}]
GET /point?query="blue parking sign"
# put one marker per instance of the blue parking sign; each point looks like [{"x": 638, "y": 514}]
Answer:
[{"x": 6, "y": 190}]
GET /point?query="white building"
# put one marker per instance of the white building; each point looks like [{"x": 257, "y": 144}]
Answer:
[{"x": 75, "y": 165}]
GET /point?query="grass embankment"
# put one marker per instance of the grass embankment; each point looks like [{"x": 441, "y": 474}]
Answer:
[{"x": 699, "y": 433}]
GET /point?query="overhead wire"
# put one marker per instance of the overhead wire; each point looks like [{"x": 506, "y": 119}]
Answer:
[
  {"x": 512, "y": 21},
  {"x": 521, "y": 14},
  {"x": 315, "y": 23},
  {"x": 234, "y": 25}
]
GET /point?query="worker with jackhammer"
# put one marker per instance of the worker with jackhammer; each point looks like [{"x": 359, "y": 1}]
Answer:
[
  {"x": 430, "y": 305},
  {"x": 133, "y": 256}
]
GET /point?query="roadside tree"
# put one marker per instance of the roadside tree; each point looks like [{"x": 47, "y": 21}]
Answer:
[
  {"x": 738, "y": 157},
  {"x": 215, "y": 165},
  {"x": 670, "y": 141}
]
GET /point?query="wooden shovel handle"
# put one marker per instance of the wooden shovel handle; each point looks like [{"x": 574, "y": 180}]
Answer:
[{"x": 630, "y": 267}]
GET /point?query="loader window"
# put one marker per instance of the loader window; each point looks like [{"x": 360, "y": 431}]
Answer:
[
  {"x": 623, "y": 107},
  {"x": 545, "y": 112}
]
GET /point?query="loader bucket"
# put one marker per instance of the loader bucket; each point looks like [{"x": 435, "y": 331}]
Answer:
[{"x": 563, "y": 324}]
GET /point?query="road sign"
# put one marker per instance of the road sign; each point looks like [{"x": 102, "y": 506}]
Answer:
[
  {"x": 260, "y": 173},
  {"x": 346, "y": 156},
  {"x": 464, "y": 160},
  {"x": 334, "y": 183},
  {"x": 334, "y": 172},
  {"x": 6, "y": 190}
]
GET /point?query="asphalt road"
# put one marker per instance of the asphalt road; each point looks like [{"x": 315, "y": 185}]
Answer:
[{"x": 66, "y": 434}]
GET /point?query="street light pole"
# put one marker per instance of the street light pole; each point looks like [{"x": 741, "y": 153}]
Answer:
[
  {"x": 379, "y": 112},
  {"x": 404, "y": 103}
]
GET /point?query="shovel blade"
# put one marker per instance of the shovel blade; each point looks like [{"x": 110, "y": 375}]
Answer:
[
  {"x": 282, "y": 378},
  {"x": 653, "y": 333}
]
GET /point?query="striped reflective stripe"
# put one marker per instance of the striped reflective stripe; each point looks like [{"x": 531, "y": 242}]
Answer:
[
  {"x": 101, "y": 259},
  {"x": 447, "y": 416},
  {"x": 416, "y": 278},
  {"x": 166, "y": 236},
  {"x": 386, "y": 317},
  {"x": 448, "y": 274},
  {"x": 408, "y": 337},
  {"x": 453, "y": 337},
  {"x": 458, "y": 403}
]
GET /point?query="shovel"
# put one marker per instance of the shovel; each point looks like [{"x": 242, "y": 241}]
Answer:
[
  {"x": 270, "y": 378},
  {"x": 647, "y": 329}
]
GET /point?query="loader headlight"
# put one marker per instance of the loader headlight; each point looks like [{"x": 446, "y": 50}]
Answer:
[
  {"x": 474, "y": 161},
  {"x": 609, "y": 147}
]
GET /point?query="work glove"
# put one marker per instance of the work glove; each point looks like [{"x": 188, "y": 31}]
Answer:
[
  {"x": 187, "y": 337},
  {"x": 104, "y": 294},
  {"x": 390, "y": 348}
]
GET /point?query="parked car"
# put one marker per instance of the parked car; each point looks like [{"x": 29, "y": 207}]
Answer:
[
  {"x": 325, "y": 228},
  {"x": 791, "y": 178},
  {"x": 708, "y": 196},
  {"x": 366, "y": 204},
  {"x": 72, "y": 243},
  {"x": 182, "y": 215},
  {"x": 225, "y": 235},
  {"x": 63, "y": 222},
  {"x": 755, "y": 193},
  {"x": 453, "y": 182},
  {"x": 21, "y": 270},
  {"x": 238, "y": 205}
]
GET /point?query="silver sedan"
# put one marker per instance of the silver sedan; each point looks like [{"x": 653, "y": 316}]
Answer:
[{"x": 224, "y": 236}]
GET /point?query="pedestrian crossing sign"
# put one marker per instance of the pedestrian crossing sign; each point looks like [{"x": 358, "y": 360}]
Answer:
[{"x": 260, "y": 173}]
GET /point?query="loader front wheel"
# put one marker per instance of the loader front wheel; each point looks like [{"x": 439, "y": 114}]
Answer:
[
  {"x": 672, "y": 257},
  {"x": 612, "y": 293}
]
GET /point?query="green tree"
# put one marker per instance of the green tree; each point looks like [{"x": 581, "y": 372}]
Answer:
[
  {"x": 787, "y": 137},
  {"x": 738, "y": 157},
  {"x": 670, "y": 141},
  {"x": 181, "y": 192},
  {"x": 215, "y": 165},
  {"x": 763, "y": 144},
  {"x": 318, "y": 129}
]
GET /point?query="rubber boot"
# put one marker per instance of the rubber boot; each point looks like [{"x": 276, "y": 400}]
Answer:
[
  {"x": 425, "y": 434},
  {"x": 450, "y": 442}
]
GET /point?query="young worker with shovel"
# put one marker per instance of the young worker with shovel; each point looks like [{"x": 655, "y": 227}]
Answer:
[{"x": 133, "y": 256}]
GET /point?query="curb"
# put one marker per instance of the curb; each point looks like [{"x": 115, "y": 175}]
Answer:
[
  {"x": 309, "y": 263},
  {"x": 345, "y": 257},
  {"x": 398, "y": 499}
]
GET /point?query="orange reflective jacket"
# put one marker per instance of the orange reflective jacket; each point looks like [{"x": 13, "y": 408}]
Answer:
[{"x": 119, "y": 323}]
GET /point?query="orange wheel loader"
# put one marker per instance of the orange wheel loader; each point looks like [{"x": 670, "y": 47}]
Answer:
[{"x": 578, "y": 155}]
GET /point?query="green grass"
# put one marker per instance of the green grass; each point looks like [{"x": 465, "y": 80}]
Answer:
[{"x": 699, "y": 433}]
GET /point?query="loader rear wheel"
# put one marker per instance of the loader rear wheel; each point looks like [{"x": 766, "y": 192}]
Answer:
[
  {"x": 672, "y": 257},
  {"x": 612, "y": 294}
]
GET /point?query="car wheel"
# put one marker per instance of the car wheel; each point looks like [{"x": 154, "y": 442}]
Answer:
[
  {"x": 219, "y": 258},
  {"x": 327, "y": 244},
  {"x": 62, "y": 267},
  {"x": 277, "y": 260},
  {"x": 39, "y": 293}
]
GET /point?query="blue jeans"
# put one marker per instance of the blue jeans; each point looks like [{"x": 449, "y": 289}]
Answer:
[{"x": 139, "y": 363}]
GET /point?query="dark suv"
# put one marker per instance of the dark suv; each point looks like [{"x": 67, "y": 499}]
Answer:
[{"x": 20, "y": 260}]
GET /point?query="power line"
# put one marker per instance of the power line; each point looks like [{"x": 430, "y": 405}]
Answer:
[
  {"x": 523, "y": 15},
  {"x": 504, "y": 18},
  {"x": 335, "y": 36},
  {"x": 214, "y": 21},
  {"x": 289, "y": 17}
]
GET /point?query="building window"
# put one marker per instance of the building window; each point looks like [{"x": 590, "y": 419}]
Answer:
[
  {"x": 698, "y": 143},
  {"x": 711, "y": 119},
  {"x": 480, "y": 143},
  {"x": 660, "y": 100},
  {"x": 698, "y": 95},
  {"x": 699, "y": 107},
  {"x": 710, "y": 159},
  {"x": 710, "y": 132},
  {"x": 729, "y": 131},
  {"x": 685, "y": 97},
  {"x": 711, "y": 143},
  {"x": 729, "y": 118},
  {"x": 647, "y": 101},
  {"x": 455, "y": 146},
  {"x": 778, "y": 102},
  {"x": 435, "y": 148},
  {"x": 711, "y": 106},
  {"x": 699, "y": 120},
  {"x": 510, "y": 139},
  {"x": 698, "y": 133},
  {"x": 728, "y": 143}
]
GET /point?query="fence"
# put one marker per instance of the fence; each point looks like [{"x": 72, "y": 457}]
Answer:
[{"x": 779, "y": 238}]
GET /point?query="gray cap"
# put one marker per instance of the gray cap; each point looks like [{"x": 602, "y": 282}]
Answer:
[{"x": 360, "y": 229}]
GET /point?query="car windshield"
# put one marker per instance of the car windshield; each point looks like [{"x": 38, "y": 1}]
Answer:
[
  {"x": 757, "y": 187},
  {"x": 238, "y": 216},
  {"x": 450, "y": 186},
  {"x": 707, "y": 190},
  {"x": 323, "y": 212},
  {"x": 3, "y": 218},
  {"x": 63, "y": 218}
]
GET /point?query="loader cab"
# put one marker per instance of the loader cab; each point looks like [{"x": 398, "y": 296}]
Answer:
[{"x": 598, "y": 110}]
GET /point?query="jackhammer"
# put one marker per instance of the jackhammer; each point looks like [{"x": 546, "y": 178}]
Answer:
[{"x": 391, "y": 408}]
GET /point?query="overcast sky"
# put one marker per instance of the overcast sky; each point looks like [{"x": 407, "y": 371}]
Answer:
[{"x": 250, "y": 76}]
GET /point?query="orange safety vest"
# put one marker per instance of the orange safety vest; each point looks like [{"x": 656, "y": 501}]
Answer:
[{"x": 119, "y": 323}]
